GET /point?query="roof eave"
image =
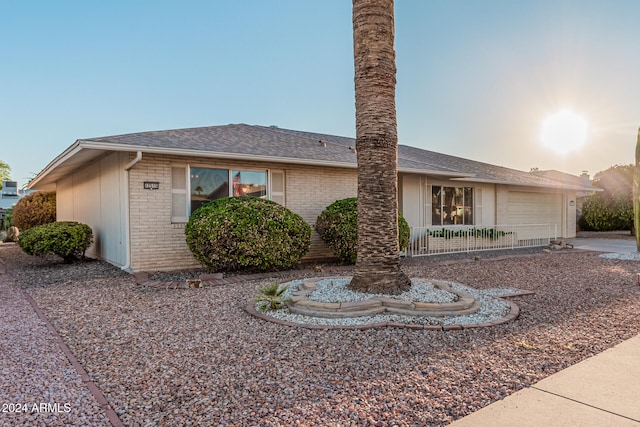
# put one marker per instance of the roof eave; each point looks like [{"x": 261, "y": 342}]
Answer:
[
  {"x": 80, "y": 145},
  {"x": 84, "y": 144},
  {"x": 527, "y": 184},
  {"x": 74, "y": 149},
  {"x": 451, "y": 175}
]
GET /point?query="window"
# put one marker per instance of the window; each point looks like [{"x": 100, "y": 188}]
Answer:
[
  {"x": 211, "y": 184},
  {"x": 195, "y": 186},
  {"x": 451, "y": 205},
  {"x": 249, "y": 184},
  {"x": 207, "y": 184}
]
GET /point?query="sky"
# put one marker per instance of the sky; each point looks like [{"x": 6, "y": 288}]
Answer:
[{"x": 476, "y": 78}]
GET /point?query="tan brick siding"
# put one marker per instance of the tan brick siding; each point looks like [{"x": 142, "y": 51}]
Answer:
[{"x": 159, "y": 245}]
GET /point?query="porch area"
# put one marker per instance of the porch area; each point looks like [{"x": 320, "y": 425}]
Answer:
[{"x": 437, "y": 240}]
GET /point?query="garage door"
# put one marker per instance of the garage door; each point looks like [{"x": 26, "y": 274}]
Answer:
[{"x": 535, "y": 208}]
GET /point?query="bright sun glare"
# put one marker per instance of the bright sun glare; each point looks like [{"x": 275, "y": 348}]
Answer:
[{"x": 564, "y": 131}]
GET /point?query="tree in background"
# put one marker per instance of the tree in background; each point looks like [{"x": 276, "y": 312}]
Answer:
[
  {"x": 377, "y": 268},
  {"x": 35, "y": 209},
  {"x": 612, "y": 208},
  {"x": 5, "y": 172},
  {"x": 616, "y": 182}
]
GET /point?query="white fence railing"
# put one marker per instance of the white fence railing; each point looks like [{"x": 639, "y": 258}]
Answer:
[{"x": 467, "y": 238}]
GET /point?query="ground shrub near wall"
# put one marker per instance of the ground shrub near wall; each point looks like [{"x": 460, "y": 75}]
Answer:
[
  {"x": 34, "y": 209},
  {"x": 337, "y": 225},
  {"x": 611, "y": 208},
  {"x": 7, "y": 221},
  {"x": 68, "y": 239},
  {"x": 247, "y": 233},
  {"x": 601, "y": 214}
]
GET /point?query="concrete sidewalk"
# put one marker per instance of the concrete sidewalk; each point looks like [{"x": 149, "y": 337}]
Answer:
[{"x": 600, "y": 391}]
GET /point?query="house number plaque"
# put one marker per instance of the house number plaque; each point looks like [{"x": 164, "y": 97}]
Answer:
[{"x": 151, "y": 185}]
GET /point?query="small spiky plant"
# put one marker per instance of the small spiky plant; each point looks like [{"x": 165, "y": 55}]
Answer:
[{"x": 271, "y": 296}]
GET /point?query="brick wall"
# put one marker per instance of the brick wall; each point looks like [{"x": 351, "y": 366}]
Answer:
[{"x": 159, "y": 245}]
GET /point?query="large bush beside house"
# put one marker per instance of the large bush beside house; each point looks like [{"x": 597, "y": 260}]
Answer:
[
  {"x": 337, "y": 225},
  {"x": 612, "y": 208},
  {"x": 34, "y": 209},
  {"x": 68, "y": 239},
  {"x": 247, "y": 233},
  {"x": 600, "y": 214}
]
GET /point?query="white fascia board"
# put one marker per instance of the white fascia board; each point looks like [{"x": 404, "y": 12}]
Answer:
[
  {"x": 536, "y": 185},
  {"x": 74, "y": 149},
  {"x": 452, "y": 175},
  {"x": 79, "y": 145},
  {"x": 214, "y": 154}
]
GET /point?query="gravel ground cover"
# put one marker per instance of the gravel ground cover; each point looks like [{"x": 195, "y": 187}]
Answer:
[
  {"x": 38, "y": 385},
  {"x": 195, "y": 357}
]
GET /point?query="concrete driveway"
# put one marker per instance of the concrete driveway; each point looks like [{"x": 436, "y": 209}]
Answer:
[{"x": 604, "y": 245}]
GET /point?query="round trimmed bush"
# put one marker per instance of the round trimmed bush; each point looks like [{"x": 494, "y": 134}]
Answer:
[
  {"x": 337, "y": 225},
  {"x": 34, "y": 209},
  {"x": 247, "y": 233},
  {"x": 68, "y": 239}
]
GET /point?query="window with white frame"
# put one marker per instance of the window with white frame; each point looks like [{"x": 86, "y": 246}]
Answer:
[
  {"x": 205, "y": 184},
  {"x": 451, "y": 205}
]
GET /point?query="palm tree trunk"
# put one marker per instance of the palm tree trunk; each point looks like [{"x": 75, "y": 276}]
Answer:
[{"x": 377, "y": 267}]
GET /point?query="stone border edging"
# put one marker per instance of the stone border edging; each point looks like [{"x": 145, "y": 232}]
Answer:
[
  {"x": 86, "y": 380},
  {"x": 84, "y": 377},
  {"x": 513, "y": 314},
  {"x": 207, "y": 280},
  {"x": 218, "y": 279}
]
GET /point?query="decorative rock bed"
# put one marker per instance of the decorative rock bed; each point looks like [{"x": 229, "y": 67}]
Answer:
[
  {"x": 301, "y": 304},
  {"x": 325, "y": 303}
]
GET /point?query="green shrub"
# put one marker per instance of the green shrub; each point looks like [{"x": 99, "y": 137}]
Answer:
[
  {"x": 602, "y": 214},
  {"x": 486, "y": 233},
  {"x": 337, "y": 225},
  {"x": 67, "y": 239},
  {"x": 247, "y": 233},
  {"x": 34, "y": 209},
  {"x": 7, "y": 221},
  {"x": 612, "y": 208}
]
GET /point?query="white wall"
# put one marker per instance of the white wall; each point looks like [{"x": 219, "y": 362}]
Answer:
[
  {"x": 485, "y": 204},
  {"x": 492, "y": 205},
  {"x": 410, "y": 199},
  {"x": 95, "y": 196}
]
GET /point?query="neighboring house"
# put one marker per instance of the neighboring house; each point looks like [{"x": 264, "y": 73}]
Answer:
[
  {"x": 9, "y": 196},
  {"x": 137, "y": 190}
]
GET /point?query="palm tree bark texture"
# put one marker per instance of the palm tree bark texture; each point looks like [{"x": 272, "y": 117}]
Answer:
[{"x": 377, "y": 268}]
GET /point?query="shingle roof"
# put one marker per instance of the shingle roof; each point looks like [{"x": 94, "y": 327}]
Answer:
[
  {"x": 244, "y": 139},
  {"x": 285, "y": 145}
]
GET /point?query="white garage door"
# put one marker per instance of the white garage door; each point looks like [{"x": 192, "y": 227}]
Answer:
[{"x": 535, "y": 208}]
